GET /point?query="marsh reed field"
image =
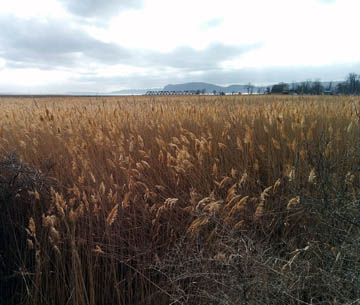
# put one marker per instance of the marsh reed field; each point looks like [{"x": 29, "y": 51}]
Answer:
[{"x": 180, "y": 200}]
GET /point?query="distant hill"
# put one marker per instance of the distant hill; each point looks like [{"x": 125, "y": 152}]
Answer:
[
  {"x": 192, "y": 86},
  {"x": 210, "y": 87},
  {"x": 131, "y": 91}
]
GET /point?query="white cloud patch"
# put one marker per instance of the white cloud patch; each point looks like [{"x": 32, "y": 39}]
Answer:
[
  {"x": 212, "y": 23},
  {"x": 190, "y": 59},
  {"x": 327, "y": 1}
]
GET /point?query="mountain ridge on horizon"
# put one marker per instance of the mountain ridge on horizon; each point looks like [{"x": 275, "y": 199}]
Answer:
[{"x": 208, "y": 87}]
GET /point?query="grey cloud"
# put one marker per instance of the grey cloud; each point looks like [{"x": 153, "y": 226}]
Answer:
[
  {"x": 98, "y": 8},
  {"x": 49, "y": 44},
  {"x": 190, "y": 59}
]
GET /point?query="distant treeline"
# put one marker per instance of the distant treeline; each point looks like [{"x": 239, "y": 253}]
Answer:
[{"x": 350, "y": 86}]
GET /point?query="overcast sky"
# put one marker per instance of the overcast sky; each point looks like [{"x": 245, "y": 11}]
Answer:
[{"x": 56, "y": 46}]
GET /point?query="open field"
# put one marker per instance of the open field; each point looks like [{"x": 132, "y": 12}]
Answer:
[{"x": 180, "y": 200}]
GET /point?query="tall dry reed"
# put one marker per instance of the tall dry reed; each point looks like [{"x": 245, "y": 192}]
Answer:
[{"x": 135, "y": 176}]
